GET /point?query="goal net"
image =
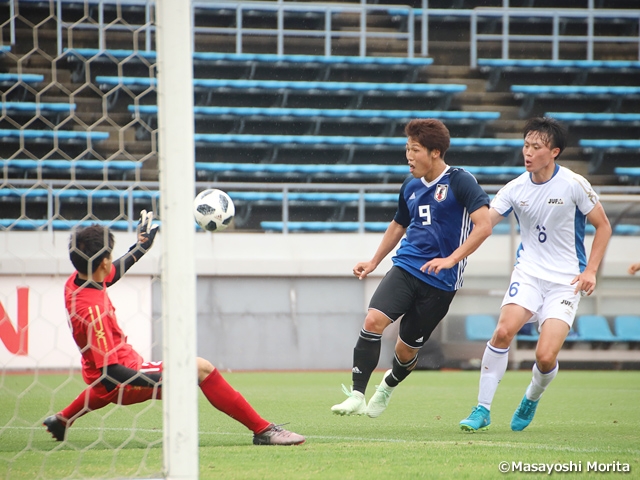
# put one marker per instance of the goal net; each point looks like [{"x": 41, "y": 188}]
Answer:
[{"x": 74, "y": 152}]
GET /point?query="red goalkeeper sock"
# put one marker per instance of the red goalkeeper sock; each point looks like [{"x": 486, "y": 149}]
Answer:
[
  {"x": 223, "y": 396},
  {"x": 87, "y": 401}
]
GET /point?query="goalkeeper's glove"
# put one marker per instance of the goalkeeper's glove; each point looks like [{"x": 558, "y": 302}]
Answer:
[{"x": 146, "y": 232}]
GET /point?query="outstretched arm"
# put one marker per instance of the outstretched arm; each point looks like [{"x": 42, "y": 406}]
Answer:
[
  {"x": 482, "y": 225},
  {"x": 390, "y": 239},
  {"x": 146, "y": 232},
  {"x": 586, "y": 281}
]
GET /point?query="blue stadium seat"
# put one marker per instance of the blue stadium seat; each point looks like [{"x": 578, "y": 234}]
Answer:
[
  {"x": 613, "y": 94},
  {"x": 7, "y": 79},
  {"x": 327, "y": 113},
  {"x": 619, "y": 229},
  {"x": 32, "y": 107},
  {"x": 346, "y": 141},
  {"x": 85, "y": 53},
  {"x": 594, "y": 328},
  {"x": 496, "y": 67},
  {"x": 596, "y": 118},
  {"x": 27, "y": 224},
  {"x": 339, "y": 169},
  {"x": 528, "y": 333},
  {"x": 66, "y": 135},
  {"x": 628, "y": 174},
  {"x": 78, "y": 194},
  {"x": 107, "y": 82},
  {"x": 480, "y": 327},
  {"x": 324, "y": 226},
  {"x": 21, "y": 165},
  {"x": 474, "y": 119},
  {"x": 598, "y": 148},
  {"x": 627, "y": 328}
]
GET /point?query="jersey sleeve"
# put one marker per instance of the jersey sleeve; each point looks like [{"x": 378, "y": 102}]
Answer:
[
  {"x": 585, "y": 197},
  {"x": 501, "y": 203},
  {"x": 403, "y": 216},
  {"x": 467, "y": 191}
]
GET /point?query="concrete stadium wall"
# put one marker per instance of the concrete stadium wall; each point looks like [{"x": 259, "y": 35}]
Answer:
[{"x": 271, "y": 301}]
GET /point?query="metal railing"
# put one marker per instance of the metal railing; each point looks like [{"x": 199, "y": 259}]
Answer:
[
  {"x": 622, "y": 203},
  {"x": 413, "y": 29},
  {"x": 555, "y": 38}
]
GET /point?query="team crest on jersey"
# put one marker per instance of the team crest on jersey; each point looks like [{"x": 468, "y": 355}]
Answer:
[{"x": 441, "y": 192}]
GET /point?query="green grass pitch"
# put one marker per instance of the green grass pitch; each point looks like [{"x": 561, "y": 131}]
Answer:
[{"x": 584, "y": 417}]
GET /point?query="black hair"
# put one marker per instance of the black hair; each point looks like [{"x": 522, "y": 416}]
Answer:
[
  {"x": 551, "y": 131},
  {"x": 88, "y": 246}
]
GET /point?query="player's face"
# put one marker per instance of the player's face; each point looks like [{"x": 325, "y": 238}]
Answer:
[
  {"x": 420, "y": 159},
  {"x": 537, "y": 153}
]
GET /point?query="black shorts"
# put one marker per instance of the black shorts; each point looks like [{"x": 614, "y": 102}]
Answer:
[{"x": 422, "y": 305}]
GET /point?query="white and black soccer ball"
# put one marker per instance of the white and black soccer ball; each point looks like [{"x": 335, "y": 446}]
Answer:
[{"x": 213, "y": 210}]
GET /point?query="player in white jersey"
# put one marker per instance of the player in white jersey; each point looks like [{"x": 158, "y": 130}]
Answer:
[{"x": 551, "y": 272}]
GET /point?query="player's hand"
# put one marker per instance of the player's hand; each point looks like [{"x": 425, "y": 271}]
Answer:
[
  {"x": 362, "y": 269},
  {"x": 633, "y": 268},
  {"x": 437, "y": 264},
  {"x": 585, "y": 283},
  {"x": 146, "y": 230}
]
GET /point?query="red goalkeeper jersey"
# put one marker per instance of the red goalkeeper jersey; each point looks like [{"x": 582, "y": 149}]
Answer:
[{"x": 95, "y": 329}]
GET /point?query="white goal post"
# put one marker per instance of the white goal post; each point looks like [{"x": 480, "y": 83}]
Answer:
[{"x": 177, "y": 187}]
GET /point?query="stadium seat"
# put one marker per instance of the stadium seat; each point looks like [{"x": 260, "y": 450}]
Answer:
[
  {"x": 31, "y": 107},
  {"x": 7, "y": 79},
  {"x": 20, "y": 166},
  {"x": 579, "y": 69},
  {"x": 627, "y": 328},
  {"x": 475, "y": 119},
  {"x": 598, "y": 148},
  {"x": 594, "y": 328},
  {"x": 78, "y": 194},
  {"x": 28, "y": 224},
  {"x": 346, "y": 141},
  {"x": 85, "y": 53},
  {"x": 324, "y": 226},
  {"x": 614, "y": 95},
  {"x": 480, "y": 327},
  {"x": 628, "y": 174},
  {"x": 351, "y": 171},
  {"x": 441, "y": 92},
  {"x": 596, "y": 118},
  {"x": 528, "y": 333},
  {"x": 60, "y": 135}
]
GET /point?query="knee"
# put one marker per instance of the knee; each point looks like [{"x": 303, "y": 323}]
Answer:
[
  {"x": 375, "y": 322},
  {"x": 205, "y": 368},
  {"x": 546, "y": 361},
  {"x": 502, "y": 337}
]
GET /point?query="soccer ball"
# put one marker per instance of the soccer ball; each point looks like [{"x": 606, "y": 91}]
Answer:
[{"x": 213, "y": 210}]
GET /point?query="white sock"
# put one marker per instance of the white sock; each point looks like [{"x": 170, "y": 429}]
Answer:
[
  {"x": 494, "y": 364},
  {"x": 539, "y": 382}
]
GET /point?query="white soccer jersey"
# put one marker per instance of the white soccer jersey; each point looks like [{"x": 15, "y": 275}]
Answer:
[{"x": 552, "y": 219}]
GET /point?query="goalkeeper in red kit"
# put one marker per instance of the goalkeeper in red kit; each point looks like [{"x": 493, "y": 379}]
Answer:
[{"x": 114, "y": 371}]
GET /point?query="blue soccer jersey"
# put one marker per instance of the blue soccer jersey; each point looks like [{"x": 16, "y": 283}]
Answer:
[{"x": 437, "y": 216}]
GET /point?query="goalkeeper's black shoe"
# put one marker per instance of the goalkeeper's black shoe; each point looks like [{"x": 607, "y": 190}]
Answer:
[{"x": 56, "y": 427}]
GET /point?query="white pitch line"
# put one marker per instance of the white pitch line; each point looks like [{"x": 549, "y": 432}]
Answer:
[{"x": 468, "y": 440}]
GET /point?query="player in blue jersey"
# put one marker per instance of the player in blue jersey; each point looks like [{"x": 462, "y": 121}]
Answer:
[
  {"x": 551, "y": 272},
  {"x": 445, "y": 216}
]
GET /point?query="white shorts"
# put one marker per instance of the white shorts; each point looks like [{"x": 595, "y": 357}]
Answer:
[{"x": 543, "y": 298}]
